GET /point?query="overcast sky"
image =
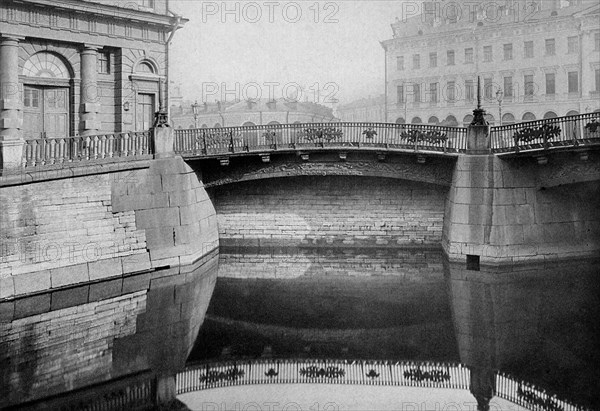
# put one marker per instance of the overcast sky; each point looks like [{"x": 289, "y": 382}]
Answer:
[{"x": 332, "y": 46}]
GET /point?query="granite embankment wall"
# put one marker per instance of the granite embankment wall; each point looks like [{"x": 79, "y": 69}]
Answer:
[
  {"x": 58, "y": 232},
  {"x": 331, "y": 211},
  {"x": 498, "y": 210}
]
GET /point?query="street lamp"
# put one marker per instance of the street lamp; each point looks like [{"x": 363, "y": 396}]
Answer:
[
  {"x": 499, "y": 95},
  {"x": 195, "y": 108}
]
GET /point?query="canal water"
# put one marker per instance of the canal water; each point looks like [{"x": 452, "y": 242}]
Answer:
[{"x": 537, "y": 323}]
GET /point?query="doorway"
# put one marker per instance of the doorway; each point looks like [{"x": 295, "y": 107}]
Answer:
[
  {"x": 145, "y": 111},
  {"x": 45, "y": 112}
]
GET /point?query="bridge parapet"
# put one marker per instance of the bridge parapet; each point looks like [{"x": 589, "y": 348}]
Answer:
[
  {"x": 569, "y": 131},
  {"x": 207, "y": 142}
]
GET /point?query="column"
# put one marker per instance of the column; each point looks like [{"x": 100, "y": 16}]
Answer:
[
  {"x": 90, "y": 99},
  {"x": 11, "y": 114}
]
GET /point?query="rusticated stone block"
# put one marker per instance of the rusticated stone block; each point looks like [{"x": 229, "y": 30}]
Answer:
[
  {"x": 161, "y": 237},
  {"x": 135, "y": 283},
  {"x": 70, "y": 297},
  {"x": 32, "y": 282},
  {"x": 136, "y": 262},
  {"x": 157, "y": 217},
  {"x": 73, "y": 274},
  {"x": 107, "y": 268},
  {"x": 7, "y": 287},
  {"x": 37, "y": 304}
]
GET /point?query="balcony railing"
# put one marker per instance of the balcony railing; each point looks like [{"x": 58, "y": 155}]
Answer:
[
  {"x": 228, "y": 140},
  {"x": 49, "y": 151},
  {"x": 575, "y": 130}
]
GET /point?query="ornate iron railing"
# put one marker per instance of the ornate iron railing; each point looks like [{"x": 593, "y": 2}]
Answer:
[
  {"x": 227, "y": 140},
  {"x": 530, "y": 396},
  {"x": 413, "y": 374},
  {"x": 49, "y": 151},
  {"x": 575, "y": 130}
]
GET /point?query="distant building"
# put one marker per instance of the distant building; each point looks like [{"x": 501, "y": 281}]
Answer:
[
  {"x": 370, "y": 110},
  {"x": 82, "y": 67},
  {"x": 545, "y": 60},
  {"x": 251, "y": 112}
]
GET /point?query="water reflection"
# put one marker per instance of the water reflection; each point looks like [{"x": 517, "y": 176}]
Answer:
[
  {"x": 538, "y": 323},
  {"x": 128, "y": 343}
]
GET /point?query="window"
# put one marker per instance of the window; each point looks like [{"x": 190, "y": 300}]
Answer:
[
  {"x": 508, "y": 52},
  {"x": 573, "y": 82},
  {"x": 469, "y": 90},
  {"x": 400, "y": 91},
  {"x": 487, "y": 53},
  {"x": 468, "y": 55},
  {"x": 508, "y": 87},
  {"x": 573, "y": 45},
  {"x": 432, "y": 59},
  {"x": 451, "y": 91},
  {"x": 450, "y": 55},
  {"x": 528, "y": 49},
  {"x": 104, "y": 62},
  {"x": 148, "y": 3},
  {"x": 598, "y": 80},
  {"x": 488, "y": 88},
  {"x": 550, "y": 47},
  {"x": 529, "y": 86},
  {"x": 433, "y": 90},
  {"x": 400, "y": 63},
  {"x": 596, "y": 41},
  {"x": 550, "y": 83},
  {"x": 417, "y": 92},
  {"x": 416, "y": 61},
  {"x": 31, "y": 97}
]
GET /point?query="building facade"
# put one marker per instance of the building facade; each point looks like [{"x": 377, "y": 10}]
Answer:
[
  {"x": 250, "y": 113},
  {"x": 368, "y": 110},
  {"x": 72, "y": 68},
  {"x": 533, "y": 63}
]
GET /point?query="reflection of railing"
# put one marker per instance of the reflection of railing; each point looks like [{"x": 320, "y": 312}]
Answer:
[
  {"x": 529, "y": 396},
  {"x": 575, "y": 130},
  {"x": 48, "y": 151},
  {"x": 204, "y": 376},
  {"x": 297, "y": 371},
  {"x": 215, "y": 141}
]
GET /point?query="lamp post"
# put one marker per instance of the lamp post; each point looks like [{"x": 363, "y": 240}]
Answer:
[
  {"x": 195, "y": 108},
  {"x": 499, "y": 95}
]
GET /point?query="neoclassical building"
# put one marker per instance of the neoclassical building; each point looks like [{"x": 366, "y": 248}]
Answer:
[
  {"x": 250, "y": 113},
  {"x": 541, "y": 59},
  {"x": 370, "y": 110},
  {"x": 82, "y": 67}
]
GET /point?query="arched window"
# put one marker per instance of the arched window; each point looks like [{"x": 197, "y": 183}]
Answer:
[
  {"x": 190, "y": 126},
  {"x": 203, "y": 126},
  {"x": 400, "y": 120},
  {"x": 572, "y": 113},
  {"x": 451, "y": 121},
  {"x": 550, "y": 114},
  {"x": 490, "y": 119},
  {"x": 417, "y": 120},
  {"x": 248, "y": 123},
  {"x": 508, "y": 119},
  {"x": 433, "y": 120},
  {"x": 145, "y": 67},
  {"x": 467, "y": 120},
  {"x": 529, "y": 116},
  {"x": 217, "y": 125},
  {"x": 273, "y": 123},
  {"x": 46, "y": 65}
]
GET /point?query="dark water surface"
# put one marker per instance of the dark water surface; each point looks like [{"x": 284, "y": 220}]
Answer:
[{"x": 538, "y": 323}]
